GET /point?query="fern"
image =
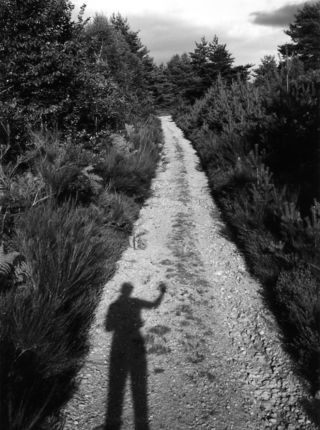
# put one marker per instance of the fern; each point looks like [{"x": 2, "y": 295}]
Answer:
[
  {"x": 23, "y": 274},
  {"x": 95, "y": 180},
  {"x": 3, "y": 185},
  {"x": 7, "y": 262}
]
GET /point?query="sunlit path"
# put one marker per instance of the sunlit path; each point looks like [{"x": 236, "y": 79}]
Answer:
[{"x": 207, "y": 350}]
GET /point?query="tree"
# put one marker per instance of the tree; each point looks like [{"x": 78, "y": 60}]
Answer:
[
  {"x": 184, "y": 82},
  {"x": 139, "y": 62},
  {"x": 305, "y": 34},
  {"x": 108, "y": 48},
  {"x": 210, "y": 60},
  {"x": 219, "y": 60},
  {"x": 267, "y": 70},
  {"x": 38, "y": 61},
  {"x": 74, "y": 76},
  {"x": 191, "y": 75},
  {"x": 132, "y": 37},
  {"x": 199, "y": 57},
  {"x": 40, "y": 64},
  {"x": 163, "y": 91}
]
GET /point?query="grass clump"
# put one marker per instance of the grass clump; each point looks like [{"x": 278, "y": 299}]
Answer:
[
  {"x": 130, "y": 173},
  {"x": 44, "y": 323}
]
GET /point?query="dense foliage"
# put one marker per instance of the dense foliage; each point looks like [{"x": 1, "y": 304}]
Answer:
[
  {"x": 259, "y": 144},
  {"x": 72, "y": 76},
  {"x": 187, "y": 77},
  {"x": 305, "y": 35}
]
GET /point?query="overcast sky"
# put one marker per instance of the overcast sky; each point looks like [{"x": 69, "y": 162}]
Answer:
[{"x": 250, "y": 28}]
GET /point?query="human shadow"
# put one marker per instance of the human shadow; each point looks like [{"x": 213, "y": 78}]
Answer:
[{"x": 128, "y": 357}]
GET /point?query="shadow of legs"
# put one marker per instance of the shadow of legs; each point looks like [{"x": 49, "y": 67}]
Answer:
[
  {"x": 117, "y": 378},
  {"x": 138, "y": 373}
]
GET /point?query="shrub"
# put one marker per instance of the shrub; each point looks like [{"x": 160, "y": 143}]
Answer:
[
  {"x": 118, "y": 210},
  {"x": 44, "y": 324},
  {"x": 131, "y": 173},
  {"x": 258, "y": 147},
  {"x": 302, "y": 236},
  {"x": 298, "y": 297}
]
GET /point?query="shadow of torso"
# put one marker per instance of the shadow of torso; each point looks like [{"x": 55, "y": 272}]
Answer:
[{"x": 127, "y": 358}]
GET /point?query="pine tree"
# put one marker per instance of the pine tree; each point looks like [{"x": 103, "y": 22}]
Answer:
[
  {"x": 219, "y": 60},
  {"x": 210, "y": 60},
  {"x": 305, "y": 35},
  {"x": 184, "y": 82},
  {"x": 266, "y": 71}
]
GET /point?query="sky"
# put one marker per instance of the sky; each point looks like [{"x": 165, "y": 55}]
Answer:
[{"x": 251, "y": 29}]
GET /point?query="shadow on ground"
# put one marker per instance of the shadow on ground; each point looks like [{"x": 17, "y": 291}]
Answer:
[{"x": 128, "y": 357}]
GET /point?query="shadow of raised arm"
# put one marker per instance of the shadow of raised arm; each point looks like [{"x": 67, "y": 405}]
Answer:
[
  {"x": 124, "y": 313},
  {"x": 156, "y": 303}
]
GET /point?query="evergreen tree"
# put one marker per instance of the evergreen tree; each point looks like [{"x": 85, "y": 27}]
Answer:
[
  {"x": 138, "y": 59},
  {"x": 109, "y": 48},
  {"x": 199, "y": 57},
  {"x": 219, "y": 60},
  {"x": 131, "y": 37},
  {"x": 305, "y": 34},
  {"x": 164, "y": 90},
  {"x": 185, "y": 83},
  {"x": 210, "y": 60},
  {"x": 267, "y": 70}
]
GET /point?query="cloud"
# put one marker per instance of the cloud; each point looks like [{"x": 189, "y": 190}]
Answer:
[
  {"x": 280, "y": 17},
  {"x": 165, "y": 36}
]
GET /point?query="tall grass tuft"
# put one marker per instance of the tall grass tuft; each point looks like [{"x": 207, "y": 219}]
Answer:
[
  {"x": 44, "y": 324},
  {"x": 131, "y": 173}
]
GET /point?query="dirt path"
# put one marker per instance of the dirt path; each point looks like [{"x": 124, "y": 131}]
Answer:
[{"x": 213, "y": 356}]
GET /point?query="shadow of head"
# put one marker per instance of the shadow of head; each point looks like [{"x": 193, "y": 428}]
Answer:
[
  {"x": 126, "y": 289},
  {"x": 123, "y": 312}
]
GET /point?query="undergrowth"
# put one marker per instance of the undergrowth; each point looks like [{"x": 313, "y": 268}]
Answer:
[{"x": 65, "y": 216}]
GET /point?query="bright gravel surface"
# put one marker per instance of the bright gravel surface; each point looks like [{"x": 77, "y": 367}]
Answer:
[{"x": 214, "y": 357}]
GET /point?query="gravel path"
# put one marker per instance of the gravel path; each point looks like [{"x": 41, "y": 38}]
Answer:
[{"x": 214, "y": 359}]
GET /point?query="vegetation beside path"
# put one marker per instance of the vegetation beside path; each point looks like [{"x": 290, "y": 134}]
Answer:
[
  {"x": 259, "y": 144},
  {"x": 79, "y": 145}
]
